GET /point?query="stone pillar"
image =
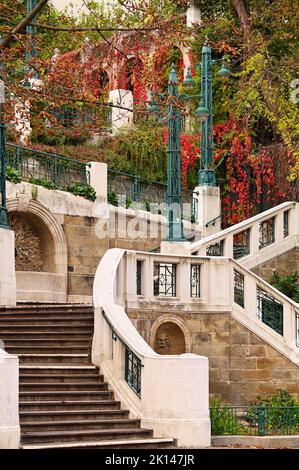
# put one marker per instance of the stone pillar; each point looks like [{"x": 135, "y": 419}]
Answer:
[
  {"x": 193, "y": 14},
  {"x": 9, "y": 401},
  {"x": 98, "y": 179},
  {"x": 121, "y": 117},
  {"x": 7, "y": 268},
  {"x": 209, "y": 208}
]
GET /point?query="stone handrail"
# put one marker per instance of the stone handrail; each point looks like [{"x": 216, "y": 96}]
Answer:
[
  {"x": 166, "y": 403},
  {"x": 257, "y": 255},
  {"x": 9, "y": 401}
]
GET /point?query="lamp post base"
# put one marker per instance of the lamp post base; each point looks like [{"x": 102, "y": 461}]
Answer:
[
  {"x": 207, "y": 178},
  {"x": 176, "y": 248},
  {"x": 4, "y": 218}
]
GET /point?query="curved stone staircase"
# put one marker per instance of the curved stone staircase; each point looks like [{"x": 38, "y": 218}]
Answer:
[{"x": 64, "y": 401}]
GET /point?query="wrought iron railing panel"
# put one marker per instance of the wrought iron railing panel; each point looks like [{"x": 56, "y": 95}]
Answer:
[
  {"x": 129, "y": 190},
  {"x": 34, "y": 165},
  {"x": 270, "y": 311},
  {"x": 217, "y": 249},
  {"x": 165, "y": 279},
  {"x": 241, "y": 244},
  {"x": 239, "y": 288},
  {"x": 256, "y": 420},
  {"x": 133, "y": 368},
  {"x": 133, "y": 365},
  {"x": 267, "y": 232},
  {"x": 195, "y": 280},
  {"x": 138, "y": 277},
  {"x": 285, "y": 224}
]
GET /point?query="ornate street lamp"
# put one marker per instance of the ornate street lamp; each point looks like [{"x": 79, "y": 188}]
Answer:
[
  {"x": 3, "y": 209},
  {"x": 31, "y": 33},
  {"x": 175, "y": 231},
  {"x": 205, "y": 113}
]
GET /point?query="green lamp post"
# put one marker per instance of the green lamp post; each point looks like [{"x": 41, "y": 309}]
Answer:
[
  {"x": 3, "y": 209},
  {"x": 175, "y": 229},
  {"x": 205, "y": 113},
  {"x": 31, "y": 49}
]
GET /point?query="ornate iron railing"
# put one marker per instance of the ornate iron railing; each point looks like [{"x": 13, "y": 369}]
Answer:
[
  {"x": 285, "y": 224},
  {"x": 270, "y": 311},
  {"x": 256, "y": 420},
  {"x": 195, "y": 280},
  {"x": 241, "y": 244},
  {"x": 36, "y": 166},
  {"x": 165, "y": 279},
  {"x": 133, "y": 364},
  {"x": 132, "y": 190},
  {"x": 217, "y": 249},
  {"x": 239, "y": 288},
  {"x": 267, "y": 232}
]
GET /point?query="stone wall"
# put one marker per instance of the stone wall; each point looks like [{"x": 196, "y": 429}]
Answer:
[
  {"x": 242, "y": 366},
  {"x": 283, "y": 264}
]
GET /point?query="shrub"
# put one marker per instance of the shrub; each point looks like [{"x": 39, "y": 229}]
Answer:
[
  {"x": 43, "y": 182},
  {"x": 83, "y": 190},
  {"x": 288, "y": 285},
  {"x": 112, "y": 198},
  {"x": 223, "y": 419},
  {"x": 13, "y": 175}
]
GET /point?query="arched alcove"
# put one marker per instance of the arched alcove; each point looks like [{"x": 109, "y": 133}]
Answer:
[
  {"x": 41, "y": 251},
  {"x": 171, "y": 335}
]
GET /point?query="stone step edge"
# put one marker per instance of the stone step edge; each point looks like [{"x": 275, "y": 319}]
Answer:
[
  {"x": 100, "y": 443},
  {"x": 80, "y": 421},
  {"x": 45, "y": 366}
]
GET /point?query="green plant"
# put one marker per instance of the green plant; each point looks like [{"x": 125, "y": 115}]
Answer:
[
  {"x": 129, "y": 202},
  {"x": 34, "y": 192},
  {"x": 288, "y": 285},
  {"x": 43, "y": 182},
  {"x": 112, "y": 198},
  {"x": 13, "y": 175},
  {"x": 83, "y": 190},
  {"x": 223, "y": 418},
  {"x": 281, "y": 412}
]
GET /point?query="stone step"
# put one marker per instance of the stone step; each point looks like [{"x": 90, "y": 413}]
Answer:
[
  {"x": 65, "y": 369},
  {"x": 60, "y": 379},
  {"x": 103, "y": 414},
  {"x": 45, "y": 335},
  {"x": 60, "y": 327},
  {"x": 84, "y": 395},
  {"x": 76, "y": 425},
  {"x": 20, "y": 342},
  {"x": 62, "y": 386},
  {"x": 54, "y": 358},
  {"x": 43, "y": 307},
  {"x": 68, "y": 405},
  {"x": 153, "y": 443},
  {"x": 38, "y": 349},
  {"x": 83, "y": 435},
  {"x": 44, "y": 319}
]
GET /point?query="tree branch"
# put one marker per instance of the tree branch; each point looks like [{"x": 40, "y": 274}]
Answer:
[
  {"x": 76, "y": 29},
  {"x": 7, "y": 40}
]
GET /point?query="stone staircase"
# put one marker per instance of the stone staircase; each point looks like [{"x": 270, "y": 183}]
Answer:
[{"x": 64, "y": 401}]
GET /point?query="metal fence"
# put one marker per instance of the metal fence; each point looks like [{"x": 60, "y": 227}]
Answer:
[
  {"x": 257, "y": 420},
  {"x": 50, "y": 169},
  {"x": 129, "y": 190}
]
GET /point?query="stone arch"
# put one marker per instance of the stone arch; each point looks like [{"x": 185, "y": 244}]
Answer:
[
  {"x": 53, "y": 232},
  {"x": 174, "y": 327}
]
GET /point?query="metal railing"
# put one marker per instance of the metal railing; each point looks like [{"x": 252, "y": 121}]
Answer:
[
  {"x": 259, "y": 420},
  {"x": 132, "y": 190},
  {"x": 133, "y": 364},
  {"x": 39, "y": 167}
]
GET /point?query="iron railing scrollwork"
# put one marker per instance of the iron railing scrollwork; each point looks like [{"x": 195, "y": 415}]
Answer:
[
  {"x": 165, "y": 279},
  {"x": 241, "y": 244},
  {"x": 270, "y": 311},
  {"x": 239, "y": 288},
  {"x": 285, "y": 224},
  {"x": 133, "y": 365},
  {"x": 195, "y": 280},
  {"x": 267, "y": 232},
  {"x": 217, "y": 249}
]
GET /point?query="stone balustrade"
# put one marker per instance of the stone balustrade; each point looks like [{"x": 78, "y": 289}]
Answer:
[{"x": 257, "y": 239}]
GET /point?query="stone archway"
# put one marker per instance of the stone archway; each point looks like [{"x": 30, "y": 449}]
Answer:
[
  {"x": 41, "y": 252},
  {"x": 171, "y": 335}
]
